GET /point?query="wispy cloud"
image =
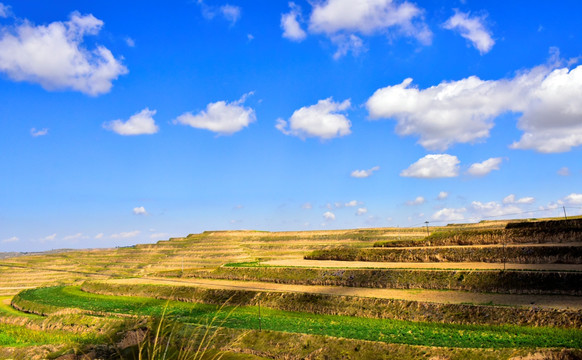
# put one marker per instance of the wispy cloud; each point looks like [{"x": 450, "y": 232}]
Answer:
[
  {"x": 472, "y": 29},
  {"x": 36, "y": 133}
]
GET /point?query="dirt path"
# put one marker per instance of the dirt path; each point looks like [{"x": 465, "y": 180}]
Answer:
[
  {"x": 437, "y": 296},
  {"x": 424, "y": 265}
]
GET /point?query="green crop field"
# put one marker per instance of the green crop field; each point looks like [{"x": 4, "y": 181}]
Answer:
[{"x": 246, "y": 317}]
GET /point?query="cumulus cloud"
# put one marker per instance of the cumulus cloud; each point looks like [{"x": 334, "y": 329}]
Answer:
[
  {"x": 364, "y": 173},
  {"x": 368, "y": 17},
  {"x": 485, "y": 167},
  {"x": 290, "y": 24},
  {"x": 125, "y": 234},
  {"x": 552, "y": 122},
  {"x": 472, "y": 29},
  {"x": 11, "y": 239},
  {"x": 361, "y": 211},
  {"x": 573, "y": 199},
  {"x": 221, "y": 117},
  {"x": 141, "y": 123},
  {"x": 139, "y": 211},
  {"x": 418, "y": 201},
  {"x": 443, "y": 195},
  {"x": 462, "y": 111},
  {"x": 494, "y": 209},
  {"x": 53, "y": 55},
  {"x": 323, "y": 120},
  {"x": 564, "y": 171},
  {"x": 433, "y": 166},
  {"x": 510, "y": 199},
  {"x": 329, "y": 216},
  {"x": 344, "y": 22},
  {"x": 36, "y": 133},
  {"x": 449, "y": 214}
]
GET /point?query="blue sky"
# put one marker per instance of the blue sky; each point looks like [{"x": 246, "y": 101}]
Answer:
[{"x": 123, "y": 124}]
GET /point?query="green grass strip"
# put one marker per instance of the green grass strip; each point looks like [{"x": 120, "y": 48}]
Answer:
[
  {"x": 19, "y": 336},
  {"x": 389, "y": 331}
]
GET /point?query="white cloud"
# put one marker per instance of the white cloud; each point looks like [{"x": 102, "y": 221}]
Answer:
[
  {"x": 141, "y": 123},
  {"x": 573, "y": 199},
  {"x": 553, "y": 120},
  {"x": 329, "y": 216},
  {"x": 564, "y": 171},
  {"x": 99, "y": 236},
  {"x": 418, "y": 201},
  {"x": 364, "y": 173},
  {"x": 221, "y": 117},
  {"x": 250, "y": 37},
  {"x": 291, "y": 28},
  {"x": 368, "y": 17},
  {"x": 361, "y": 211},
  {"x": 485, "y": 167},
  {"x": 443, "y": 195},
  {"x": 125, "y": 234},
  {"x": 323, "y": 120},
  {"x": 231, "y": 13},
  {"x": 352, "y": 203},
  {"x": 472, "y": 29},
  {"x": 5, "y": 11},
  {"x": 53, "y": 55},
  {"x": 140, "y": 210},
  {"x": 449, "y": 214},
  {"x": 307, "y": 206},
  {"x": 494, "y": 209},
  {"x": 510, "y": 199},
  {"x": 463, "y": 111},
  {"x": 433, "y": 166},
  {"x": 130, "y": 42},
  {"x": 12, "y": 239},
  {"x": 35, "y": 133}
]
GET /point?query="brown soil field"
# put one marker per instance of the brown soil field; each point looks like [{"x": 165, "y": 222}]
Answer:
[
  {"x": 446, "y": 297},
  {"x": 419, "y": 265}
]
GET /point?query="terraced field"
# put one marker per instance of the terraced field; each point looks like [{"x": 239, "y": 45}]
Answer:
[{"x": 493, "y": 290}]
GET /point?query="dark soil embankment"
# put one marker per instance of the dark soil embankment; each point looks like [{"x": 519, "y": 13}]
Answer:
[{"x": 506, "y": 282}]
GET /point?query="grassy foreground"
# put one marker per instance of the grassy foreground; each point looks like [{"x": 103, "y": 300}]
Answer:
[{"x": 246, "y": 317}]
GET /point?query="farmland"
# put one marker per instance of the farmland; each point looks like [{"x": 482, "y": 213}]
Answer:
[{"x": 499, "y": 289}]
